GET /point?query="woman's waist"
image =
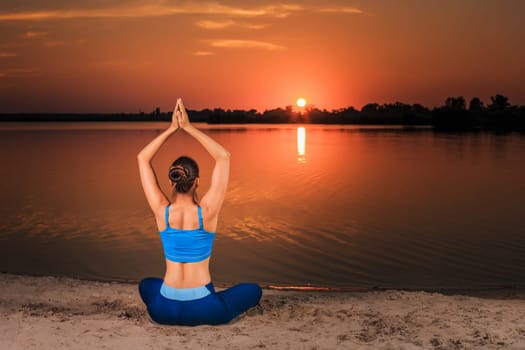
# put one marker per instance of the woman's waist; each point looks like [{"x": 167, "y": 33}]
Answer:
[
  {"x": 186, "y": 284},
  {"x": 187, "y": 275},
  {"x": 186, "y": 294}
]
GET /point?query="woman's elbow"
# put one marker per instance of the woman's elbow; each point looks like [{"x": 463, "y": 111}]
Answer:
[
  {"x": 225, "y": 155},
  {"x": 141, "y": 157}
]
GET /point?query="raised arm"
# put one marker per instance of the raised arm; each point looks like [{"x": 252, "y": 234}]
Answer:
[
  {"x": 212, "y": 200},
  {"x": 156, "y": 199}
]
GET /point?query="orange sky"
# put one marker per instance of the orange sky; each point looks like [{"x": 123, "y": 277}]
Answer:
[{"x": 131, "y": 56}]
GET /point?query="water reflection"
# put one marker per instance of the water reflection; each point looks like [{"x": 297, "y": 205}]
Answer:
[
  {"x": 371, "y": 217},
  {"x": 301, "y": 144}
]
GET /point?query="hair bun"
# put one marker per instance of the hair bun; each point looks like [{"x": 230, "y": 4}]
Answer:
[
  {"x": 178, "y": 174},
  {"x": 183, "y": 173}
]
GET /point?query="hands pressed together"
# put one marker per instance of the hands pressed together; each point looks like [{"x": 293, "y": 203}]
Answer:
[{"x": 179, "y": 118}]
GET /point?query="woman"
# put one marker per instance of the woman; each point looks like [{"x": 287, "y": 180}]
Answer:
[{"x": 187, "y": 228}]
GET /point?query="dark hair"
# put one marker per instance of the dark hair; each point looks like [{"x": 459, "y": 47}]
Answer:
[{"x": 183, "y": 172}]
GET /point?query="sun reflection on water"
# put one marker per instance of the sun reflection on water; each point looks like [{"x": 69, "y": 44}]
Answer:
[{"x": 301, "y": 144}]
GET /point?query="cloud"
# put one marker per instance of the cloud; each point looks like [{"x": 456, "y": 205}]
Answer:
[
  {"x": 343, "y": 9},
  {"x": 203, "y": 53},
  {"x": 7, "y": 54},
  {"x": 279, "y": 10},
  {"x": 242, "y": 44},
  {"x": 210, "y": 8},
  {"x": 217, "y": 25},
  {"x": 33, "y": 35},
  {"x": 255, "y": 26}
]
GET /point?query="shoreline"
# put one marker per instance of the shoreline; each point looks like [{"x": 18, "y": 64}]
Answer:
[
  {"x": 471, "y": 291},
  {"x": 64, "y": 313}
]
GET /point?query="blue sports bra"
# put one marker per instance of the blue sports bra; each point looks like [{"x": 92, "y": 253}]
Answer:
[{"x": 186, "y": 245}]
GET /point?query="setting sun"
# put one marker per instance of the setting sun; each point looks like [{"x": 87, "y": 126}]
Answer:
[{"x": 301, "y": 102}]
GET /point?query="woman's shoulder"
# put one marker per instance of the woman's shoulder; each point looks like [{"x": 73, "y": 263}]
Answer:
[
  {"x": 160, "y": 214},
  {"x": 209, "y": 217}
]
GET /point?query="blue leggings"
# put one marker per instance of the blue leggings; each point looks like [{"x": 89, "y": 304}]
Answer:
[{"x": 215, "y": 308}]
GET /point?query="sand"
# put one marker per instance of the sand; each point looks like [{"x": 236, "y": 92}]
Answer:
[{"x": 62, "y": 313}]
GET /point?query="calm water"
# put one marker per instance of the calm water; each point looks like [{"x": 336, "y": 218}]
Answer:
[{"x": 349, "y": 207}]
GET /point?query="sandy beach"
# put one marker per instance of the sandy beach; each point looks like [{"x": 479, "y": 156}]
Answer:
[{"x": 62, "y": 313}]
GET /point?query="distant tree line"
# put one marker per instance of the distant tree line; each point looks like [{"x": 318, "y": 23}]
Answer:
[
  {"x": 498, "y": 115},
  {"x": 455, "y": 115}
]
